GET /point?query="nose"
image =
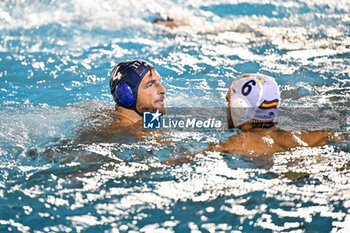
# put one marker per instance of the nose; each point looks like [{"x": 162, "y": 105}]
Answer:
[{"x": 162, "y": 89}]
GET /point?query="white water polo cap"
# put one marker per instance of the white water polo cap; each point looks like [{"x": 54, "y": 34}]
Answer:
[{"x": 253, "y": 98}]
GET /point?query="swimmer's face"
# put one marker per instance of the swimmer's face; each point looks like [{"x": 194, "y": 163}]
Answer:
[{"x": 151, "y": 93}]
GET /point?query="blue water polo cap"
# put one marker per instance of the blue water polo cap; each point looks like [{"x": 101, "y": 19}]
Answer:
[{"x": 125, "y": 80}]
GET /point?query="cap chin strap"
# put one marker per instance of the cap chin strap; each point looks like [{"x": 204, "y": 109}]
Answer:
[
  {"x": 137, "y": 111},
  {"x": 252, "y": 122},
  {"x": 133, "y": 108}
]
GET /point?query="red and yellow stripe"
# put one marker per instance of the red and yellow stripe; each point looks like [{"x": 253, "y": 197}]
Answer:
[{"x": 269, "y": 104}]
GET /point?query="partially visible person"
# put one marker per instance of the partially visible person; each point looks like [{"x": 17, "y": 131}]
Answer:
[
  {"x": 136, "y": 87},
  {"x": 253, "y": 100},
  {"x": 252, "y": 104},
  {"x": 189, "y": 23},
  {"x": 169, "y": 22}
]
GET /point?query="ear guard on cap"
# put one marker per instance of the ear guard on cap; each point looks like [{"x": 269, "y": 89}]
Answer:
[
  {"x": 240, "y": 109},
  {"x": 124, "y": 95}
]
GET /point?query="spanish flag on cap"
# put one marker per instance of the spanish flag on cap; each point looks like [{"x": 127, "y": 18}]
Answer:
[{"x": 269, "y": 104}]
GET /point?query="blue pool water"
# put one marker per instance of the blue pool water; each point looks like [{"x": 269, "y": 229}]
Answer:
[{"x": 59, "y": 173}]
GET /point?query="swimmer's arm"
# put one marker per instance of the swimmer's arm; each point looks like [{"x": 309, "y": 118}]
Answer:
[
  {"x": 186, "y": 159},
  {"x": 235, "y": 143},
  {"x": 317, "y": 138}
]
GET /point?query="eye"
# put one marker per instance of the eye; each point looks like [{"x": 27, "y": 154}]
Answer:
[{"x": 150, "y": 84}]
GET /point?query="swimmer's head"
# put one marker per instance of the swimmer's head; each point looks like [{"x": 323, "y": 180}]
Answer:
[
  {"x": 125, "y": 82},
  {"x": 252, "y": 98}
]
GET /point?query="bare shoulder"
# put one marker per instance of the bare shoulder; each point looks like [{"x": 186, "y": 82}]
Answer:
[{"x": 236, "y": 142}]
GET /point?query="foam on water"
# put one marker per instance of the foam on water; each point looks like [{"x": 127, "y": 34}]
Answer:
[{"x": 209, "y": 180}]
